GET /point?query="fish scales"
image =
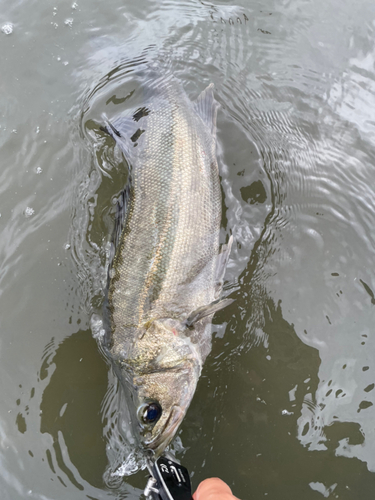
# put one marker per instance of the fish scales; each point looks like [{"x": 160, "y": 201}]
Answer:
[{"x": 165, "y": 264}]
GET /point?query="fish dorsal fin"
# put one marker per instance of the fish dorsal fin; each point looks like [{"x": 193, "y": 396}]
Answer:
[
  {"x": 204, "y": 311},
  {"x": 121, "y": 210},
  {"x": 120, "y": 218},
  {"x": 206, "y": 106},
  {"x": 117, "y": 130}
]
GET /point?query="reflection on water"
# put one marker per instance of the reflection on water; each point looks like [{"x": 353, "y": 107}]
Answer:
[
  {"x": 70, "y": 408},
  {"x": 285, "y": 405}
]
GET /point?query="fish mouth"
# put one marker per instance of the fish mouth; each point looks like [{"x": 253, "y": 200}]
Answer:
[{"x": 161, "y": 441}]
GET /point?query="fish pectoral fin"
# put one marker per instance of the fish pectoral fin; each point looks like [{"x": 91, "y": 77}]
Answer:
[
  {"x": 204, "y": 311},
  {"x": 206, "y": 106},
  {"x": 221, "y": 265}
]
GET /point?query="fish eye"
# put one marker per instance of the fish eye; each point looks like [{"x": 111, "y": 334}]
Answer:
[{"x": 149, "y": 413}]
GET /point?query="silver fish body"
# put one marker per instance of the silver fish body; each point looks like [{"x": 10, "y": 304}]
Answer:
[{"x": 167, "y": 270}]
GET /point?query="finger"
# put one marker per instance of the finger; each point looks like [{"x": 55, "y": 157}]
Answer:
[{"x": 213, "y": 489}]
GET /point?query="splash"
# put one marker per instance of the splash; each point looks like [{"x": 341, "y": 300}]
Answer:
[{"x": 7, "y": 28}]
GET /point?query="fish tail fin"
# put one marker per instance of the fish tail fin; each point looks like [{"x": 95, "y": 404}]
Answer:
[
  {"x": 118, "y": 132},
  {"x": 109, "y": 128}
]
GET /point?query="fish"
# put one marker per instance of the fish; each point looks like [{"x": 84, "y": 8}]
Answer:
[{"x": 167, "y": 270}]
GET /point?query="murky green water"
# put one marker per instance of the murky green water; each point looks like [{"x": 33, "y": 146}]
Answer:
[{"x": 284, "y": 408}]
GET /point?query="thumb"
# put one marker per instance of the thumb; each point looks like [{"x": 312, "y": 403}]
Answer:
[{"x": 213, "y": 489}]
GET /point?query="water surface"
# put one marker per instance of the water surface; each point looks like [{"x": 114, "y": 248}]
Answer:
[{"x": 284, "y": 407}]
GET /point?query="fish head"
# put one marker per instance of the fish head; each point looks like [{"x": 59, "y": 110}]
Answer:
[{"x": 166, "y": 368}]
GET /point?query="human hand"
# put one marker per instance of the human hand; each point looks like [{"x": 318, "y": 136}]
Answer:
[{"x": 213, "y": 489}]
